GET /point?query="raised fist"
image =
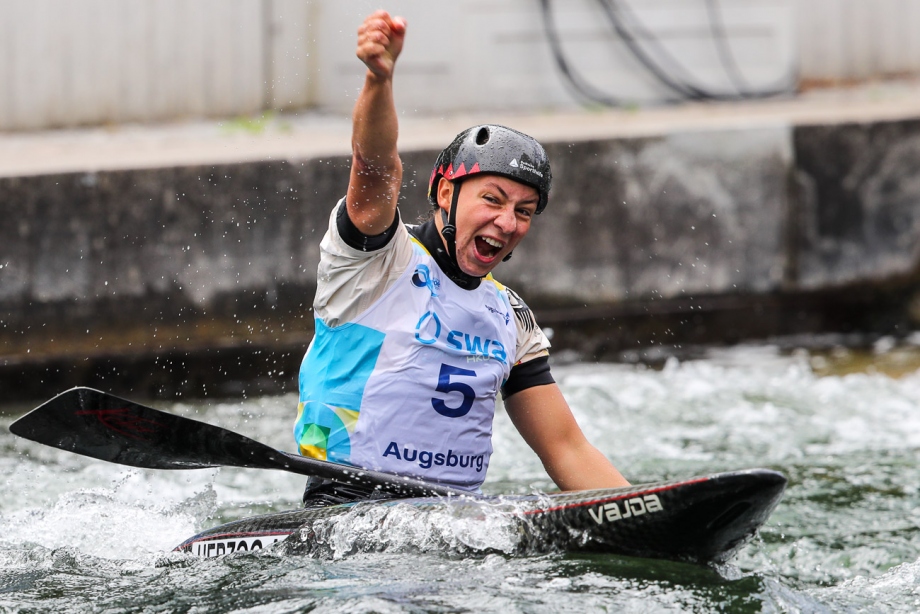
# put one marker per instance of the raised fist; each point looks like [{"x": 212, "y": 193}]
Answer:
[{"x": 380, "y": 40}]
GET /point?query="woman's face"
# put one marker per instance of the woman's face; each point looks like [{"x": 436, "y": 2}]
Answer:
[{"x": 493, "y": 215}]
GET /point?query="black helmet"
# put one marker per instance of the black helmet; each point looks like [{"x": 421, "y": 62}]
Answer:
[{"x": 496, "y": 150}]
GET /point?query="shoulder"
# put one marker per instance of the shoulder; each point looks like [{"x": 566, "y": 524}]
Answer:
[
  {"x": 524, "y": 315},
  {"x": 352, "y": 277},
  {"x": 344, "y": 238},
  {"x": 531, "y": 361},
  {"x": 532, "y": 342}
]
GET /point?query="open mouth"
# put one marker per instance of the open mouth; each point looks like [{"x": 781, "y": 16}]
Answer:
[{"x": 487, "y": 247}]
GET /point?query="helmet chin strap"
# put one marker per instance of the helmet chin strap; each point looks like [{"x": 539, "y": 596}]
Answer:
[{"x": 449, "y": 230}]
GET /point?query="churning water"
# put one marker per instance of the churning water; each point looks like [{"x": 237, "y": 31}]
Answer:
[{"x": 78, "y": 535}]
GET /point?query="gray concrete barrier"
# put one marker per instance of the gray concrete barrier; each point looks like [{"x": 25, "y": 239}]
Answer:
[{"x": 199, "y": 280}]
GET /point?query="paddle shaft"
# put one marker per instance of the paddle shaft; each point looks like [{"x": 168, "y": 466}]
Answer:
[{"x": 102, "y": 426}]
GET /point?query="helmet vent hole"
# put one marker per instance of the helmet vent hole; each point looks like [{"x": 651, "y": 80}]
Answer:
[{"x": 482, "y": 137}]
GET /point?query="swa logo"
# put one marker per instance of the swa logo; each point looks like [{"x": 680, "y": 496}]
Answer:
[{"x": 422, "y": 279}]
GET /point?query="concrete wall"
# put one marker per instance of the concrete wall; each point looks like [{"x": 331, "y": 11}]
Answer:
[
  {"x": 191, "y": 279},
  {"x": 842, "y": 41},
  {"x": 73, "y": 62},
  {"x": 693, "y": 212},
  {"x": 496, "y": 55},
  {"x": 66, "y": 63},
  {"x": 859, "y": 202}
]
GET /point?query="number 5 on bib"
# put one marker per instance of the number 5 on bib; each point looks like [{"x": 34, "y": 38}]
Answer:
[{"x": 446, "y": 385}]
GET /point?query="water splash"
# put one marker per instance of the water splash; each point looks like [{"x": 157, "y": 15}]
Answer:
[
  {"x": 845, "y": 537},
  {"x": 125, "y": 521},
  {"x": 442, "y": 529}
]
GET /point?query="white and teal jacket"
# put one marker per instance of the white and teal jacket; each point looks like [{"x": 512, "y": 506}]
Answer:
[{"x": 405, "y": 365}]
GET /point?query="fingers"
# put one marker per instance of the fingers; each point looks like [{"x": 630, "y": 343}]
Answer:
[{"x": 380, "y": 41}]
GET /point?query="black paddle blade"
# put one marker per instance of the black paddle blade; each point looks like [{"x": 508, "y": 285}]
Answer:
[
  {"x": 95, "y": 424},
  {"x": 98, "y": 425}
]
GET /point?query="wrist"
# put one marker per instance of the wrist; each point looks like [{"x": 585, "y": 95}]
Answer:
[{"x": 372, "y": 78}]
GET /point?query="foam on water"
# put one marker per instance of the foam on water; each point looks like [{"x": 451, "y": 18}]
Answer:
[
  {"x": 846, "y": 536},
  {"x": 138, "y": 517},
  {"x": 727, "y": 415},
  {"x": 897, "y": 590},
  {"x": 403, "y": 528}
]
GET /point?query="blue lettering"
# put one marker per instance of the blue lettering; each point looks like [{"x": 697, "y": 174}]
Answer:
[
  {"x": 424, "y": 459},
  {"x": 452, "y": 339},
  {"x": 474, "y": 345},
  {"x": 427, "y": 459},
  {"x": 447, "y": 386},
  {"x": 392, "y": 449},
  {"x": 437, "y": 330},
  {"x": 428, "y": 331}
]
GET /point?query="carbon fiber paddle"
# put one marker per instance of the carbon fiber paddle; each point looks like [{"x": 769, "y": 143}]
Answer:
[{"x": 99, "y": 425}]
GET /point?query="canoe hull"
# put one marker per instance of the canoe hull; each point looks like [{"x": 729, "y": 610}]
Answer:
[{"x": 702, "y": 519}]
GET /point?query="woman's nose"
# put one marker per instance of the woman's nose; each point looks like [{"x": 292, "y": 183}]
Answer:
[{"x": 506, "y": 220}]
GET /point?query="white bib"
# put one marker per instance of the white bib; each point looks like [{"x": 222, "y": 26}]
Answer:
[{"x": 409, "y": 386}]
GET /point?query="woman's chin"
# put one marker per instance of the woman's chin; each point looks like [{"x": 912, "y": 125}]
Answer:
[{"x": 479, "y": 267}]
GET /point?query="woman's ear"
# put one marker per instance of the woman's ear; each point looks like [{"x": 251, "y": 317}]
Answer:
[{"x": 445, "y": 192}]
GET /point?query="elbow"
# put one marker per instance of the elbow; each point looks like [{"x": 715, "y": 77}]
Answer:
[
  {"x": 358, "y": 161},
  {"x": 386, "y": 167}
]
